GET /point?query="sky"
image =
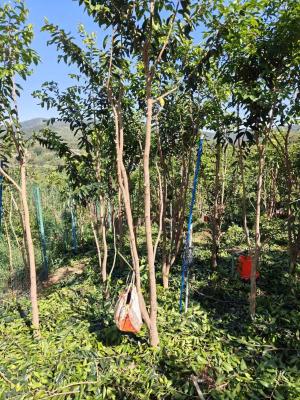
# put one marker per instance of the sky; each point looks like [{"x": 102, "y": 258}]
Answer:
[{"x": 68, "y": 15}]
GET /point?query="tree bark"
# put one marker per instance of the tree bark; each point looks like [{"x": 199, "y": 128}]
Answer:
[
  {"x": 291, "y": 180},
  {"x": 165, "y": 272},
  {"x": 244, "y": 193},
  {"x": 216, "y": 216},
  {"x": 161, "y": 211},
  {"x": 255, "y": 261},
  {"x": 10, "y": 257},
  {"x": 293, "y": 237},
  {"x": 271, "y": 197},
  {"x": 31, "y": 255},
  {"x": 154, "y": 340},
  {"x": 104, "y": 242},
  {"x": 92, "y": 214}
]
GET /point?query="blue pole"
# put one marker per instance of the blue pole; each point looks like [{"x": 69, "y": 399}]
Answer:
[
  {"x": 189, "y": 228},
  {"x": 1, "y": 197},
  {"x": 39, "y": 213}
]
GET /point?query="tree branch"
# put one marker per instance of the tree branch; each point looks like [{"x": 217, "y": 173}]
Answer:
[
  {"x": 5, "y": 379},
  {"x": 161, "y": 211},
  {"x": 165, "y": 94},
  {"x": 157, "y": 61},
  {"x": 6, "y": 176}
]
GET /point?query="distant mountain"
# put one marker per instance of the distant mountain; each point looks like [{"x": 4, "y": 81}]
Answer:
[
  {"x": 33, "y": 124},
  {"x": 63, "y": 129},
  {"x": 39, "y": 155}
]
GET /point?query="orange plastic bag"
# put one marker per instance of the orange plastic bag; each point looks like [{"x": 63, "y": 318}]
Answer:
[{"x": 128, "y": 316}]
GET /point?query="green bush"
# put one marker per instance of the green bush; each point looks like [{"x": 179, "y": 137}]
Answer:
[{"x": 234, "y": 237}]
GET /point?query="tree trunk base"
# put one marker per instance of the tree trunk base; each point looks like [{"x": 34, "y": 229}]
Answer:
[{"x": 165, "y": 276}]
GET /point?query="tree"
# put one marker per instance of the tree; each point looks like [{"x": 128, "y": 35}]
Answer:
[
  {"x": 143, "y": 45},
  {"x": 16, "y": 59}
]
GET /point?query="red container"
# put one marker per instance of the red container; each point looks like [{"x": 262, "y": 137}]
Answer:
[{"x": 244, "y": 267}]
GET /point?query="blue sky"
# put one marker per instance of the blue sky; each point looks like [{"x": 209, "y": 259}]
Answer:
[{"x": 67, "y": 14}]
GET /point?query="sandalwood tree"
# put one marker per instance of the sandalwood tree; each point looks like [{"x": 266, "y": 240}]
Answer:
[
  {"x": 143, "y": 40},
  {"x": 16, "y": 58}
]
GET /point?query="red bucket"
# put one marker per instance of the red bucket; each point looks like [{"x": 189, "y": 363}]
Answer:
[{"x": 244, "y": 267}]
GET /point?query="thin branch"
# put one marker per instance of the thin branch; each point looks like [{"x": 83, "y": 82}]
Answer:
[
  {"x": 5, "y": 379},
  {"x": 115, "y": 255},
  {"x": 277, "y": 147},
  {"x": 165, "y": 94},
  {"x": 197, "y": 387},
  {"x": 6, "y": 176},
  {"x": 75, "y": 384},
  {"x": 157, "y": 61},
  {"x": 161, "y": 211},
  {"x": 60, "y": 394},
  {"x": 280, "y": 131},
  {"x": 11, "y": 223},
  {"x": 121, "y": 255},
  {"x": 110, "y": 62}
]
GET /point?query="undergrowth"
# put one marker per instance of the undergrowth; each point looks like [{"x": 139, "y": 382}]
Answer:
[{"x": 82, "y": 355}]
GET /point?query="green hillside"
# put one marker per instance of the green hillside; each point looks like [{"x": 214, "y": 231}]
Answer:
[{"x": 38, "y": 155}]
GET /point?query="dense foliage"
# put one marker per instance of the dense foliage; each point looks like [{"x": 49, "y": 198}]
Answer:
[{"x": 84, "y": 356}]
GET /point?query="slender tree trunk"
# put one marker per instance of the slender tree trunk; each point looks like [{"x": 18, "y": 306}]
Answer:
[
  {"x": 114, "y": 261},
  {"x": 224, "y": 176},
  {"x": 10, "y": 257},
  {"x": 291, "y": 180},
  {"x": 264, "y": 195},
  {"x": 244, "y": 194},
  {"x": 293, "y": 237},
  {"x": 216, "y": 229},
  {"x": 165, "y": 270},
  {"x": 165, "y": 273},
  {"x": 92, "y": 214},
  {"x": 104, "y": 242},
  {"x": 139, "y": 201},
  {"x": 271, "y": 198},
  {"x": 161, "y": 210},
  {"x": 120, "y": 222},
  {"x": 154, "y": 340},
  {"x": 32, "y": 266},
  {"x": 255, "y": 261},
  {"x": 119, "y": 229}
]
